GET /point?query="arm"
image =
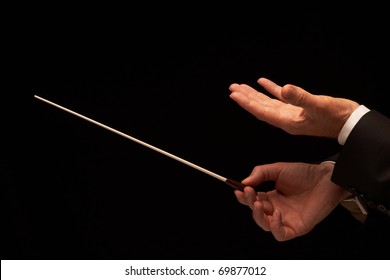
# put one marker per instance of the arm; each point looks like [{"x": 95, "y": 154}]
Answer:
[
  {"x": 363, "y": 165},
  {"x": 364, "y": 162}
]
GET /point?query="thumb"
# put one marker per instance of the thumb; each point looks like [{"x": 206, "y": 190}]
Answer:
[
  {"x": 265, "y": 172},
  {"x": 297, "y": 96}
]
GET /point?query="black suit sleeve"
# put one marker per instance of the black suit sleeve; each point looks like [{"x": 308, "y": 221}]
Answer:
[{"x": 363, "y": 165}]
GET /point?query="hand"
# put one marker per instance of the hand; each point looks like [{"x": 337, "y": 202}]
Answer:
[
  {"x": 303, "y": 197},
  {"x": 294, "y": 110}
]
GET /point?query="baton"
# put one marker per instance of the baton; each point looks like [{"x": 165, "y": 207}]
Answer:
[{"x": 234, "y": 184}]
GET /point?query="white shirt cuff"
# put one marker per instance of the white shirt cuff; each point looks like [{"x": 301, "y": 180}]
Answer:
[{"x": 351, "y": 122}]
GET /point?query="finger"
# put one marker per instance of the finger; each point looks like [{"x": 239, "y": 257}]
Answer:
[
  {"x": 276, "y": 226},
  {"x": 259, "y": 216},
  {"x": 297, "y": 96},
  {"x": 267, "y": 206},
  {"x": 280, "y": 231},
  {"x": 247, "y": 196},
  {"x": 265, "y": 172},
  {"x": 262, "y": 196},
  {"x": 271, "y": 87},
  {"x": 250, "y": 196},
  {"x": 249, "y": 98},
  {"x": 259, "y": 106},
  {"x": 240, "y": 196},
  {"x": 242, "y": 89}
]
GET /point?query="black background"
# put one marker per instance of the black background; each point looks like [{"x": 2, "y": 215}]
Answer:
[{"x": 74, "y": 190}]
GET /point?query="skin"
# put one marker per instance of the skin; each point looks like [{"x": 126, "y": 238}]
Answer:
[
  {"x": 293, "y": 109},
  {"x": 304, "y": 193},
  {"x": 298, "y": 203}
]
